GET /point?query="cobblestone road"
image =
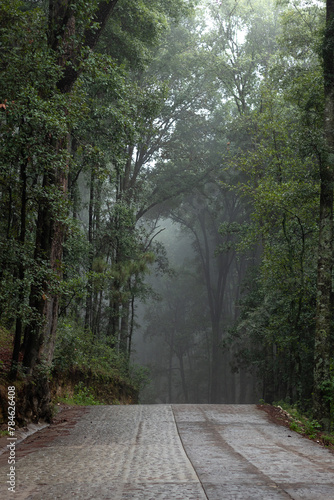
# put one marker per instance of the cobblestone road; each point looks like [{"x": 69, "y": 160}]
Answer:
[{"x": 172, "y": 452}]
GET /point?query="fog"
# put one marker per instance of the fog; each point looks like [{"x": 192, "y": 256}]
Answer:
[{"x": 175, "y": 341}]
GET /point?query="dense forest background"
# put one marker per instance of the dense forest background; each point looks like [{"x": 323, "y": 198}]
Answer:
[{"x": 166, "y": 193}]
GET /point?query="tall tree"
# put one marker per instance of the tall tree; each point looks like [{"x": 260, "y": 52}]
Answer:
[
  {"x": 73, "y": 29},
  {"x": 322, "y": 398}
]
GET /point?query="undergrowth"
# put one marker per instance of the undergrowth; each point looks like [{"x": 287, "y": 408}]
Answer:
[
  {"x": 76, "y": 347},
  {"x": 306, "y": 425},
  {"x": 82, "y": 396}
]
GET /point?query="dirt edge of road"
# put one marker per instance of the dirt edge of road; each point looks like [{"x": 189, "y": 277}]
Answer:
[
  {"x": 277, "y": 415},
  {"x": 61, "y": 424}
]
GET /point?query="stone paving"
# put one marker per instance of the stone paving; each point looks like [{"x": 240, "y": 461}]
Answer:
[
  {"x": 167, "y": 452},
  {"x": 238, "y": 454},
  {"x": 113, "y": 452}
]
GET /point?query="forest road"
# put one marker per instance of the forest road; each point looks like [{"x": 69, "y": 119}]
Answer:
[{"x": 169, "y": 452}]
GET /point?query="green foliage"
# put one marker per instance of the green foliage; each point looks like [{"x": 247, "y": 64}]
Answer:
[
  {"x": 137, "y": 27},
  {"x": 77, "y": 347},
  {"x": 327, "y": 388},
  {"x": 140, "y": 376},
  {"x": 299, "y": 422},
  {"x": 277, "y": 176},
  {"x": 82, "y": 396},
  {"x": 220, "y": 123},
  {"x": 49, "y": 134},
  {"x": 240, "y": 46}
]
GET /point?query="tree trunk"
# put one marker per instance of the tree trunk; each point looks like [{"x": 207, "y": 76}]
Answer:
[
  {"x": 132, "y": 324},
  {"x": 89, "y": 296},
  {"x": 170, "y": 367},
  {"x": 40, "y": 335},
  {"x": 183, "y": 378},
  {"x": 124, "y": 328},
  {"x": 322, "y": 345},
  {"x": 215, "y": 364},
  {"x": 21, "y": 272}
]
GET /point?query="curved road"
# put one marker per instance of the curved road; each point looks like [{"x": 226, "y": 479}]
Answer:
[{"x": 172, "y": 452}]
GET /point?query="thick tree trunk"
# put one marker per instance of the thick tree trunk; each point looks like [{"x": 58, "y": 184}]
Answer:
[
  {"x": 40, "y": 335},
  {"x": 322, "y": 345},
  {"x": 58, "y": 231}
]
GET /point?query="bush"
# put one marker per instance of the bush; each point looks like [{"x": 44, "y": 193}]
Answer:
[
  {"x": 77, "y": 347},
  {"x": 300, "y": 422}
]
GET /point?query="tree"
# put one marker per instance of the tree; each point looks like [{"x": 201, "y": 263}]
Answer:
[
  {"x": 44, "y": 109},
  {"x": 322, "y": 397},
  {"x": 295, "y": 149},
  {"x": 239, "y": 46}
]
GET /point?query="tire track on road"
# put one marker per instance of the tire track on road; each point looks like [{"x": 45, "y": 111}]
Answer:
[{"x": 238, "y": 454}]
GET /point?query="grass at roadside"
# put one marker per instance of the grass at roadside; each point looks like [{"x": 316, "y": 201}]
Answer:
[
  {"x": 304, "y": 425},
  {"x": 82, "y": 396}
]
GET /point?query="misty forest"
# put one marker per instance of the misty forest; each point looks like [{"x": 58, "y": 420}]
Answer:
[{"x": 166, "y": 201}]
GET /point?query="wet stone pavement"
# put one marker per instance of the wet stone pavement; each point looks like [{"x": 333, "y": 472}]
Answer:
[{"x": 172, "y": 452}]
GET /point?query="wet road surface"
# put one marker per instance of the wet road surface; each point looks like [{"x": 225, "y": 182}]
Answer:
[{"x": 171, "y": 452}]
